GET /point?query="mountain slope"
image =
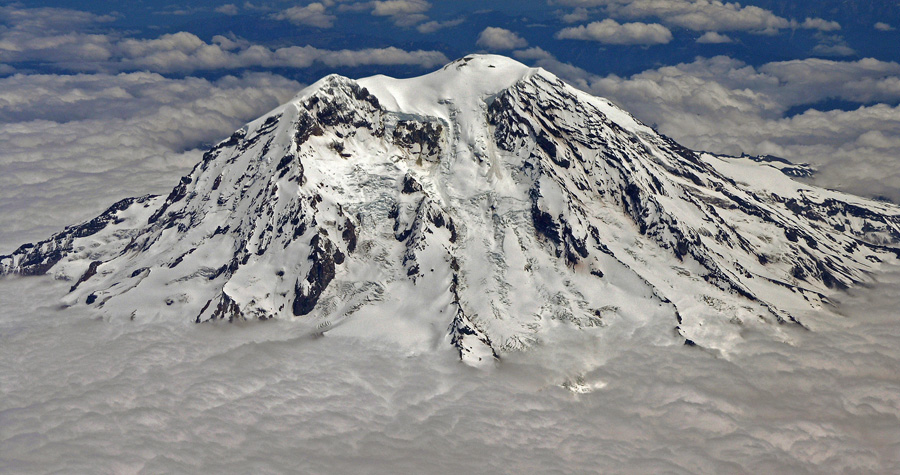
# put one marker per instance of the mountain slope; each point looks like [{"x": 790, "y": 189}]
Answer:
[{"x": 485, "y": 205}]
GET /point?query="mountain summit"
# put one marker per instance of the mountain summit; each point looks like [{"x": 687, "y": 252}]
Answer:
[{"x": 485, "y": 206}]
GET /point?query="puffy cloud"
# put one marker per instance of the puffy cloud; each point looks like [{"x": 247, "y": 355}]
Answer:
[
  {"x": 314, "y": 14},
  {"x": 74, "y": 144},
  {"x": 532, "y": 54},
  {"x": 820, "y": 24},
  {"x": 881, "y": 26},
  {"x": 611, "y": 32},
  {"x": 385, "y": 56},
  {"x": 834, "y": 50},
  {"x": 401, "y": 12},
  {"x": 500, "y": 39},
  {"x": 433, "y": 26},
  {"x": 832, "y": 45},
  {"x": 399, "y": 7},
  {"x": 53, "y": 19},
  {"x": 579, "y": 15},
  {"x": 228, "y": 9},
  {"x": 41, "y": 39},
  {"x": 185, "y": 52},
  {"x": 734, "y": 108},
  {"x": 810, "y": 80},
  {"x": 711, "y": 37},
  {"x": 52, "y": 35},
  {"x": 698, "y": 15},
  {"x": 705, "y": 15}
]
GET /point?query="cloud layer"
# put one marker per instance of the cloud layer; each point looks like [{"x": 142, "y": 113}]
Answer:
[
  {"x": 63, "y": 40},
  {"x": 87, "y": 396},
  {"x": 75, "y": 144}
]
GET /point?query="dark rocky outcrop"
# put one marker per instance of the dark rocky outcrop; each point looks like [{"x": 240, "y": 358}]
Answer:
[{"x": 322, "y": 271}]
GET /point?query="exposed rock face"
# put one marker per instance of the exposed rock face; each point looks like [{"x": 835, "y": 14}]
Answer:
[
  {"x": 39, "y": 258},
  {"x": 486, "y": 204},
  {"x": 324, "y": 256}
]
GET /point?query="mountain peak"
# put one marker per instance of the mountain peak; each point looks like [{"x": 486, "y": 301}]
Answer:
[
  {"x": 463, "y": 86},
  {"x": 486, "y": 205},
  {"x": 486, "y": 61}
]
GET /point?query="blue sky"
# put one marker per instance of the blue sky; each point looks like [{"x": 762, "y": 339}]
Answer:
[
  {"x": 102, "y": 100},
  {"x": 622, "y": 37}
]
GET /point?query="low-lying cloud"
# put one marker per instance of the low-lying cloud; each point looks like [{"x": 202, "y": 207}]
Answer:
[
  {"x": 77, "y": 394},
  {"x": 73, "y": 145}
]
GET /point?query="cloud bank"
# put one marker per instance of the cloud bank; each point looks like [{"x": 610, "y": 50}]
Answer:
[
  {"x": 73, "y": 145},
  {"x": 62, "y": 40},
  {"x": 79, "y": 395}
]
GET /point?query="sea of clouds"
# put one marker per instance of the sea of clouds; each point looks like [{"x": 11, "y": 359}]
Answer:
[{"x": 82, "y": 395}]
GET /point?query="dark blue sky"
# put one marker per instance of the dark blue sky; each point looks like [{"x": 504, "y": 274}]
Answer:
[{"x": 847, "y": 31}]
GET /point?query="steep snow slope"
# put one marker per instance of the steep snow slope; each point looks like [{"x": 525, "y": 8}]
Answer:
[{"x": 483, "y": 205}]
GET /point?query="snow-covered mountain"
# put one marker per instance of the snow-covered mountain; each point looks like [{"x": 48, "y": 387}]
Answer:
[{"x": 485, "y": 206}]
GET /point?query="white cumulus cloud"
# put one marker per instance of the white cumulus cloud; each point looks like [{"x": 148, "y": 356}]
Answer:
[
  {"x": 500, "y": 39},
  {"x": 401, "y": 12},
  {"x": 698, "y": 15},
  {"x": 612, "y": 32},
  {"x": 43, "y": 39},
  {"x": 820, "y": 24},
  {"x": 228, "y": 9},
  {"x": 315, "y": 14},
  {"x": 433, "y": 26},
  {"x": 711, "y": 37}
]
